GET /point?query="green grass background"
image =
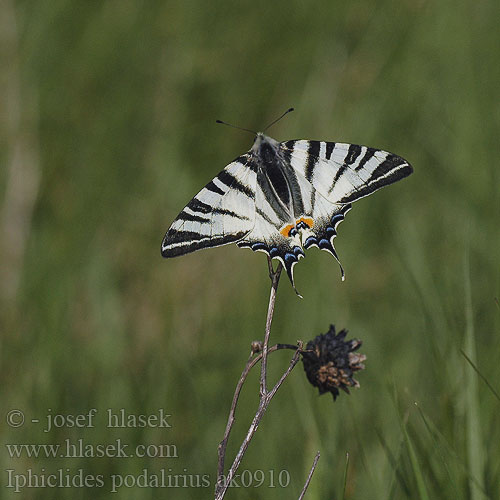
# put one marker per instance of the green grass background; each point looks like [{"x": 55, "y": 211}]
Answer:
[{"x": 114, "y": 104}]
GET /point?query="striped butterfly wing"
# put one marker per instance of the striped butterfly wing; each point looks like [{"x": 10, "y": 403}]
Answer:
[
  {"x": 343, "y": 173},
  {"x": 332, "y": 176},
  {"x": 222, "y": 212},
  {"x": 268, "y": 234},
  {"x": 285, "y": 238}
]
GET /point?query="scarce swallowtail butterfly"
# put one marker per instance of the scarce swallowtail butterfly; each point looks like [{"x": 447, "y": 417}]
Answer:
[{"x": 282, "y": 198}]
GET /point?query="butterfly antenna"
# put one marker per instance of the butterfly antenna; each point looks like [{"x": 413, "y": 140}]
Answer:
[
  {"x": 234, "y": 126},
  {"x": 278, "y": 119}
]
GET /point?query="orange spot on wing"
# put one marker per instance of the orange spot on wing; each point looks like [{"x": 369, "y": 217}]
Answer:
[
  {"x": 306, "y": 220},
  {"x": 285, "y": 230}
]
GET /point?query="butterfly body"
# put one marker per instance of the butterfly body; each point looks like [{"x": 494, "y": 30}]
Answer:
[{"x": 282, "y": 198}]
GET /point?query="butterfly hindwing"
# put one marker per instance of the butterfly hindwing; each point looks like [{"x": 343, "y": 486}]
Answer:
[
  {"x": 222, "y": 212},
  {"x": 267, "y": 235},
  {"x": 286, "y": 239}
]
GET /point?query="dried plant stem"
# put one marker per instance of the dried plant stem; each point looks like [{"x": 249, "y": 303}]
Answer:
[
  {"x": 265, "y": 395},
  {"x": 275, "y": 278},
  {"x": 311, "y": 472},
  {"x": 263, "y": 404},
  {"x": 230, "y": 421},
  {"x": 252, "y": 361}
]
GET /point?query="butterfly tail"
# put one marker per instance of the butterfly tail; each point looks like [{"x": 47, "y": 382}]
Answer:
[{"x": 289, "y": 259}]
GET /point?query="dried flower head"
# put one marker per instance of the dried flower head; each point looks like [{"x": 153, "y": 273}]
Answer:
[{"x": 330, "y": 362}]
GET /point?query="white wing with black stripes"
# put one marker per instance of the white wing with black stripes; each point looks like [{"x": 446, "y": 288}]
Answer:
[
  {"x": 222, "y": 212},
  {"x": 343, "y": 173},
  {"x": 282, "y": 198}
]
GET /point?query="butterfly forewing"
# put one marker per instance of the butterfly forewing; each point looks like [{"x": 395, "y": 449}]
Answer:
[
  {"x": 222, "y": 212},
  {"x": 344, "y": 173}
]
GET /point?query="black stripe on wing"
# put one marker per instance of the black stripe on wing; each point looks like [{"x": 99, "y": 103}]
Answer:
[
  {"x": 390, "y": 170},
  {"x": 370, "y": 153},
  {"x": 330, "y": 146},
  {"x": 231, "y": 213},
  {"x": 229, "y": 180},
  {"x": 312, "y": 158},
  {"x": 215, "y": 216},
  {"x": 192, "y": 217},
  {"x": 188, "y": 241},
  {"x": 197, "y": 205},
  {"x": 352, "y": 154},
  {"x": 211, "y": 186}
]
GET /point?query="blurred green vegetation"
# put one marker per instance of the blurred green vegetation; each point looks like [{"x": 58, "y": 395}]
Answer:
[{"x": 108, "y": 129}]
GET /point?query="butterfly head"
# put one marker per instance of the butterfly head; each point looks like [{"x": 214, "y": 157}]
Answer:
[
  {"x": 261, "y": 139},
  {"x": 265, "y": 147}
]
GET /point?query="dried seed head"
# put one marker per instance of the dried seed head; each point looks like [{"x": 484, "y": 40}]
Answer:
[{"x": 329, "y": 362}]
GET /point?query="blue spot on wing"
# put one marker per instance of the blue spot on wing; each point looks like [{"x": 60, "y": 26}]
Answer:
[
  {"x": 260, "y": 246},
  {"x": 312, "y": 240},
  {"x": 298, "y": 251}
]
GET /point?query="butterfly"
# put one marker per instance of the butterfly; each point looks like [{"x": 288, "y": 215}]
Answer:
[{"x": 282, "y": 198}]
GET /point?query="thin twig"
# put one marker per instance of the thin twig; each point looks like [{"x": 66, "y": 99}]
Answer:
[
  {"x": 311, "y": 472},
  {"x": 251, "y": 362},
  {"x": 291, "y": 366},
  {"x": 265, "y": 395},
  {"x": 230, "y": 420},
  {"x": 275, "y": 278},
  {"x": 224, "y": 482}
]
